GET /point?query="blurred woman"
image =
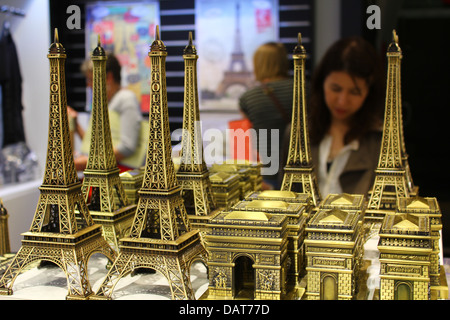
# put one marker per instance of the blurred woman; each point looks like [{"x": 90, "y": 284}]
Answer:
[{"x": 269, "y": 106}]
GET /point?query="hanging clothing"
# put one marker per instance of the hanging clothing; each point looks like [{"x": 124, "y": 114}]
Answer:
[{"x": 11, "y": 86}]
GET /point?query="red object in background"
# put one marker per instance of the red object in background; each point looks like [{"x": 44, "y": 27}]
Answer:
[
  {"x": 106, "y": 31},
  {"x": 151, "y": 30},
  {"x": 240, "y": 138},
  {"x": 128, "y": 17},
  {"x": 263, "y": 19},
  {"x": 145, "y": 103},
  {"x": 123, "y": 168}
]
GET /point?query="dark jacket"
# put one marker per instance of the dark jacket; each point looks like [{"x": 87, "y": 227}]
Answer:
[
  {"x": 11, "y": 85},
  {"x": 359, "y": 173}
]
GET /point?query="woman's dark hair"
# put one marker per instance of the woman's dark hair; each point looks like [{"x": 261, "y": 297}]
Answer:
[
  {"x": 113, "y": 66},
  {"x": 358, "y": 58}
]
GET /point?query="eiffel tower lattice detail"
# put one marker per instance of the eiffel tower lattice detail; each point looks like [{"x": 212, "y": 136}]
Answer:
[
  {"x": 102, "y": 187},
  {"x": 299, "y": 175},
  {"x": 56, "y": 234},
  {"x": 193, "y": 173},
  {"x": 392, "y": 176},
  {"x": 160, "y": 238}
]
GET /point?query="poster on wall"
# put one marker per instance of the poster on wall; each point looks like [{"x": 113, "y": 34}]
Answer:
[
  {"x": 126, "y": 29},
  {"x": 227, "y": 35}
]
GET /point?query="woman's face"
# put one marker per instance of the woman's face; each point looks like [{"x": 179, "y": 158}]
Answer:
[{"x": 344, "y": 95}]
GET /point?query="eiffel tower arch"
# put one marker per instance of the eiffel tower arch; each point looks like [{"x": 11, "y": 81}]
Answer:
[
  {"x": 161, "y": 237},
  {"x": 235, "y": 78},
  {"x": 62, "y": 230}
]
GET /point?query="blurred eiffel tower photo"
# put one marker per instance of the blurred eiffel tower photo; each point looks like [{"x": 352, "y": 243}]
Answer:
[
  {"x": 193, "y": 174},
  {"x": 102, "y": 187},
  {"x": 56, "y": 233},
  {"x": 161, "y": 237},
  {"x": 299, "y": 175},
  {"x": 237, "y": 72},
  {"x": 393, "y": 176}
]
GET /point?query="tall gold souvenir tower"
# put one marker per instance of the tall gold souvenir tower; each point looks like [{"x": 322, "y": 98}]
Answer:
[
  {"x": 193, "y": 175},
  {"x": 392, "y": 176},
  {"x": 55, "y": 234},
  {"x": 299, "y": 175},
  {"x": 160, "y": 236},
  {"x": 102, "y": 186}
]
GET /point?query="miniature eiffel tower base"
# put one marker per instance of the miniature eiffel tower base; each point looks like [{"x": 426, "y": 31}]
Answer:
[
  {"x": 5, "y": 261},
  {"x": 172, "y": 259},
  {"x": 200, "y": 187},
  {"x": 387, "y": 188},
  {"x": 70, "y": 252},
  {"x": 116, "y": 225},
  {"x": 304, "y": 178}
]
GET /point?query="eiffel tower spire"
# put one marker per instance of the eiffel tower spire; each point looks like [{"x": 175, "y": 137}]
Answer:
[
  {"x": 59, "y": 170},
  {"x": 159, "y": 169},
  {"x": 237, "y": 49},
  {"x": 193, "y": 173},
  {"x": 101, "y": 155},
  {"x": 392, "y": 176},
  {"x": 159, "y": 175},
  {"x": 55, "y": 234},
  {"x": 299, "y": 173},
  {"x": 102, "y": 187},
  {"x": 160, "y": 236}
]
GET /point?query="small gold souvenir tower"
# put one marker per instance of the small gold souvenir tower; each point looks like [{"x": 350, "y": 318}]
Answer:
[
  {"x": 55, "y": 234},
  {"x": 5, "y": 246},
  {"x": 160, "y": 238},
  {"x": 102, "y": 186},
  {"x": 393, "y": 177},
  {"x": 193, "y": 175},
  {"x": 299, "y": 173}
]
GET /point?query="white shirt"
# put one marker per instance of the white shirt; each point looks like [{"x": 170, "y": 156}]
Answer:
[
  {"x": 329, "y": 179},
  {"x": 125, "y": 103}
]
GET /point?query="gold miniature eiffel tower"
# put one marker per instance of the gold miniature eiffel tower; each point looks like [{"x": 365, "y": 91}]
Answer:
[
  {"x": 102, "y": 188},
  {"x": 299, "y": 173},
  {"x": 160, "y": 236},
  {"x": 55, "y": 234},
  {"x": 5, "y": 246},
  {"x": 193, "y": 174},
  {"x": 392, "y": 176}
]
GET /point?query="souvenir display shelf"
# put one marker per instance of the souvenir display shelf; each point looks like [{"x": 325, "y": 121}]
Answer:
[{"x": 266, "y": 245}]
